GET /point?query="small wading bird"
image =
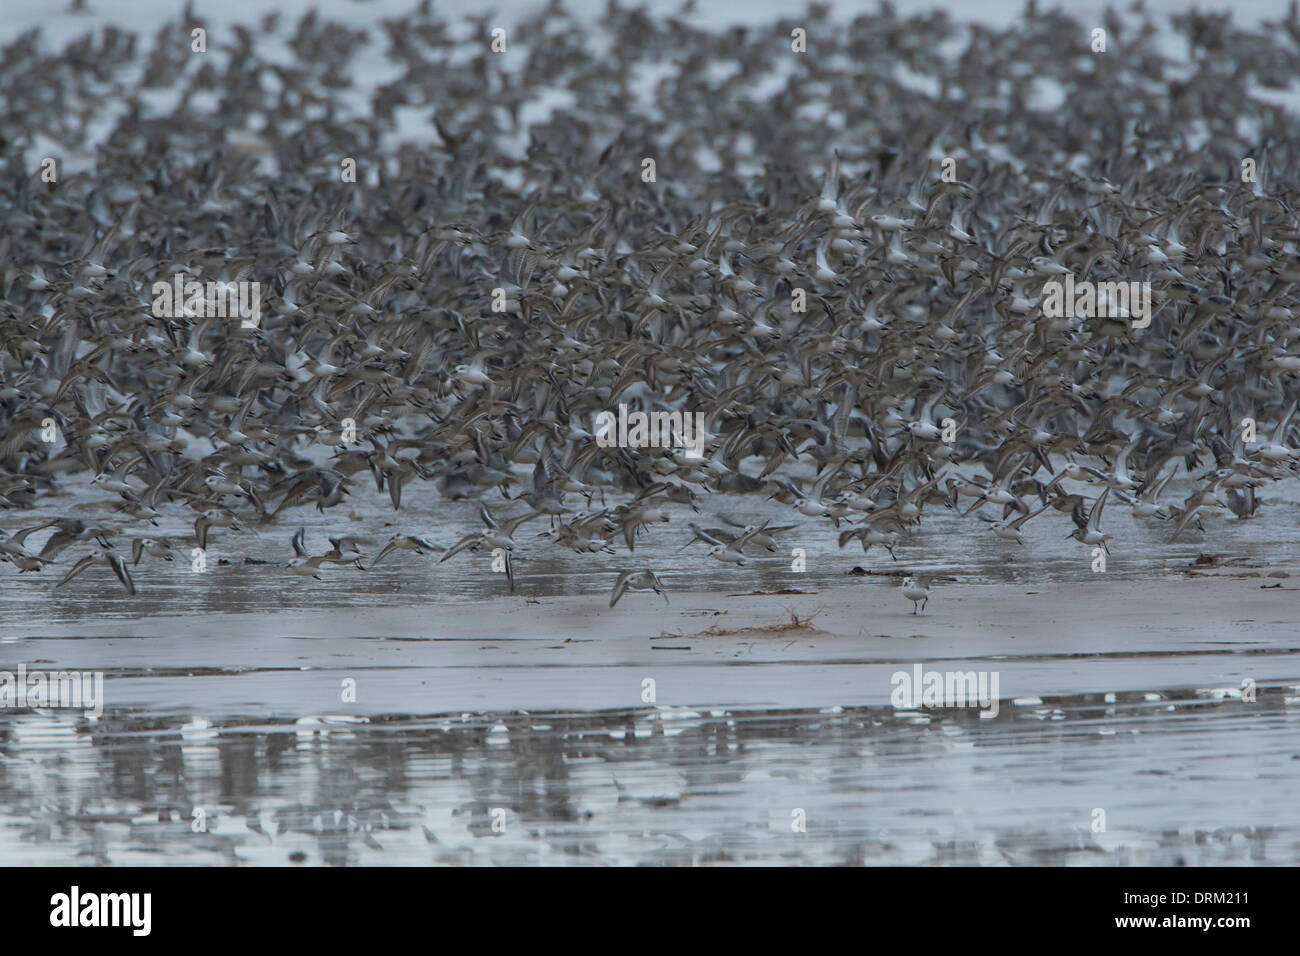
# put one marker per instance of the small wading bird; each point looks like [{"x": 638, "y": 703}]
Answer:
[
  {"x": 1010, "y": 530},
  {"x": 915, "y": 590},
  {"x": 404, "y": 542},
  {"x": 761, "y": 538},
  {"x": 102, "y": 556},
  {"x": 496, "y": 537},
  {"x": 343, "y": 550},
  {"x": 728, "y": 550},
  {"x": 153, "y": 547},
  {"x": 303, "y": 563},
  {"x": 643, "y": 580},
  {"x": 868, "y": 535},
  {"x": 1089, "y": 529}
]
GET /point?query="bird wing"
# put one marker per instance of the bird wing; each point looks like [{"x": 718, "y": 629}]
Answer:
[
  {"x": 123, "y": 573},
  {"x": 713, "y": 536},
  {"x": 461, "y": 545},
  {"x": 620, "y": 587},
  {"x": 391, "y": 546},
  {"x": 740, "y": 542},
  {"x": 1094, "y": 516},
  {"x": 510, "y": 526},
  {"x": 831, "y": 180},
  {"x": 77, "y": 568},
  {"x": 1279, "y": 433}
]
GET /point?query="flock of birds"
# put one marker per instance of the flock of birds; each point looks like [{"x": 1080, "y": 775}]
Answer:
[{"x": 838, "y": 257}]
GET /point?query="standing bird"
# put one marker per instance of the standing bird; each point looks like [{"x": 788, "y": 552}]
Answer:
[{"x": 915, "y": 590}]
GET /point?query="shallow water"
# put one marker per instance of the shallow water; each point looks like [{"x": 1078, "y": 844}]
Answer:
[
  {"x": 1181, "y": 778},
  {"x": 666, "y": 786},
  {"x": 947, "y": 546}
]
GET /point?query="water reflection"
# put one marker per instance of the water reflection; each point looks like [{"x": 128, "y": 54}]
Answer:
[
  {"x": 947, "y": 546},
  {"x": 1181, "y": 779}
]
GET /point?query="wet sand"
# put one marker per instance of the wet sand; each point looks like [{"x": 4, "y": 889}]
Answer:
[{"x": 704, "y": 649}]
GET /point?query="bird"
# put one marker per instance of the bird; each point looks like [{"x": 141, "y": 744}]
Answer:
[
  {"x": 1088, "y": 530},
  {"x": 1200, "y": 499},
  {"x": 640, "y": 580},
  {"x": 1010, "y": 530},
  {"x": 302, "y": 563},
  {"x": 916, "y": 591},
  {"x": 729, "y": 550},
  {"x": 156, "y": 548},
  {"x": 868, "y": 534},
  {"x": 497, "y": 536},
  {"x": 404, "y": 542},
  {"x": 102, "y": 556},
  {"x": 762, "y": 537}
]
